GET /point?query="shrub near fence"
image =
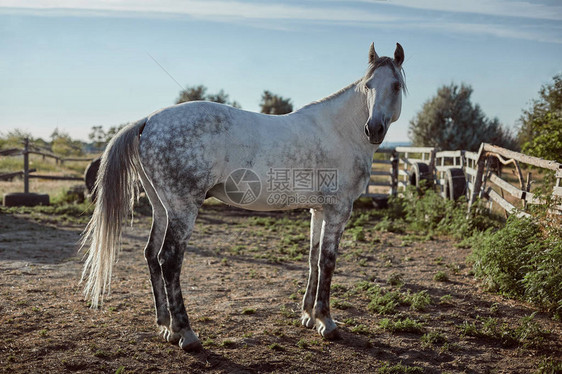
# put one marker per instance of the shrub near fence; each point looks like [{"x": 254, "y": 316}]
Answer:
[{"x": 521, "y": 258}]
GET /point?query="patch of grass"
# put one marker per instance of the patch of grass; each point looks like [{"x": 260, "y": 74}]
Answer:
[
  {"x": 360, "y": 329},
  {"x": 446, "y": 299},
  {"x": 340, "y": 304},
  {"x": 399, "y": 369},
  {"x": 238, "y": 249},
  {"x": 549, "y": 365},
  {"x": 276, "y": 347},
  {"x": 384, "y": 302},
  {"x": 418, "y": 301},
  {"x": 441, "y": 276},
  {"x": 209, "y": 343},
  {"x": 338, "y": 288},
  {"x": 389, "y": 225},
  {"x": 249, "y": 311},
  {"x": 303, "y": 344},
  {"x": 101, "y": 354},
  {"x": 396, "y": 279},
  {"x": 402, "y": 325},
  {"x": 527, "y": 333},
  {"x": 227, "y": 343},
  {"x": 357, "y": 233},
  {"x": 286, "y": 312},
  {"x": 431, "y": 338}
]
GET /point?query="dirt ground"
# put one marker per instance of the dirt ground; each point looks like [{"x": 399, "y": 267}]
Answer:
[{"x": 243, "y": 280}]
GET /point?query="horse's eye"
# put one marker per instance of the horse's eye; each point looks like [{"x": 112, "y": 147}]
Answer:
[{"x": 397, "y": 86}]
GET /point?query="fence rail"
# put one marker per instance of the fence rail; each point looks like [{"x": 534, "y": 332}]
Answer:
[
  {"x": 26, "y": 172},
  {"x": 472, "y": 174},
  {"x": 453, "y": 172}
]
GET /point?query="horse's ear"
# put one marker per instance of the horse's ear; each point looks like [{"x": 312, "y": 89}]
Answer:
[
  {"x": 372, "y": 54},
  {"x": 399, "y": 55}
]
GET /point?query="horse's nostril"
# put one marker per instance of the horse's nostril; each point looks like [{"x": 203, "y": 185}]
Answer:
[{"x": 367, "y": 131}]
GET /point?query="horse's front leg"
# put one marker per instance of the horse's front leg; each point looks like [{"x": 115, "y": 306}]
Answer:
[
  {"x": 316, "y": 219},
  {"x": 335, "y": 219}
]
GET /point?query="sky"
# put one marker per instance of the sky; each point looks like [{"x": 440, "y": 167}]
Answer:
[{"x": 74, "y": 64}]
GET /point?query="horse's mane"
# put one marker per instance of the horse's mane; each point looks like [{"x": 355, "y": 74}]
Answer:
[
  {"x": 334, "y": 95},
  {"x": 361, "y": 83}
]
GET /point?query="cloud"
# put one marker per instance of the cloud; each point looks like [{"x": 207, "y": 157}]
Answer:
[
  {"x": 498, "y": 8},
  {"x": 464, "y": 17},
  {"x": 206, "y": 9},
  {"x": 521, "y": 32}
]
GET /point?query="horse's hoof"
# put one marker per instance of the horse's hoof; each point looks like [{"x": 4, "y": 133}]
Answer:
[
  {"x": 328, "y": 329},
  {"x": 189, "y": 342},
  {"x": 173, "y": 337},
  {"x": 191, "y": 347},
  {"x": 331, "y": 335},
  {"x": 307, "y": 321}
]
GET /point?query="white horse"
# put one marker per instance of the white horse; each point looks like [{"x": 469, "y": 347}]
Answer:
[{"x": 318, "y": 157}]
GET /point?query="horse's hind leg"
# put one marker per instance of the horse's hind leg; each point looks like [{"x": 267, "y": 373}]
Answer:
[
  {"x": 180, "y": 226},
  {"x": 316, "y": 219},
  {"x": 155, "y": 241}
]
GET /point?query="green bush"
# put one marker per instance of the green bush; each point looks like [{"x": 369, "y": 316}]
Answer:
[
  {"x": 522, "y": 260},
  {"x": 427, "y": 212}
]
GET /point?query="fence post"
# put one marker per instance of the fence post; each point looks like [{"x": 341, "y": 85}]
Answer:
[
  {"x": 481, "y": 160},
  {"x": 26, "y": 165},
  {"x": 527, "y": 188},
  {"x": 394, "y": 172},
  {"x": 432, "y": 168}
]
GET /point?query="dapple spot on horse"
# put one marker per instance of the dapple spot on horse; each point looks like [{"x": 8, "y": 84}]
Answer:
[{"x": 187, "y": 152}]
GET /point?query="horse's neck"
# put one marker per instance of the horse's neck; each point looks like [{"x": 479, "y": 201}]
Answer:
[{"x": 344, "y": 113}]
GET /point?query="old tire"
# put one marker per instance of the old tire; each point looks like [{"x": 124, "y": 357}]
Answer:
[
  {"x": 455, "y": 183},
  {"x": 420, "y": 175},
  {"x": 25, "y": 199},
  {"x": 380, "y": 201},
  {"x": 90, "y": 176}
]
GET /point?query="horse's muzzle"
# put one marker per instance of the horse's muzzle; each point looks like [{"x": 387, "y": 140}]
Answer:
[{"x": 375, "y": 131}]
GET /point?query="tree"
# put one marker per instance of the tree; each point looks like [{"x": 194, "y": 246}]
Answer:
[
  {"x": 63, "y": 145},
  {"x": 275, "y": 104},
  {"x": 195, "y": 93},
  {"x": 199, "y": 93},
  {"x": 449, "y": 120},
  {"x": 100, "y": 137},
  {"x": 14, "y": 139},
  {"x": 540, "y": 130}
]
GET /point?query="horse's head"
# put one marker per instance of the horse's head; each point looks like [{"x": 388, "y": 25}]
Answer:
[{"x": 384, "y": 84}]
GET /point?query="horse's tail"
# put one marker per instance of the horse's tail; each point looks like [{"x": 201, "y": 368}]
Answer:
[{"x": 116, "y": 189}]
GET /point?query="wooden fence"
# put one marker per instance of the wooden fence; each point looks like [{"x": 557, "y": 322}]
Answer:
[
  {"x": 475, "y": 175},
  {"x": 27, "y": 172}
]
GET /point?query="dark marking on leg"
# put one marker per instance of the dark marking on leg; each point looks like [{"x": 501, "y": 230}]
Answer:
[{"x": 334, "y": 224}]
